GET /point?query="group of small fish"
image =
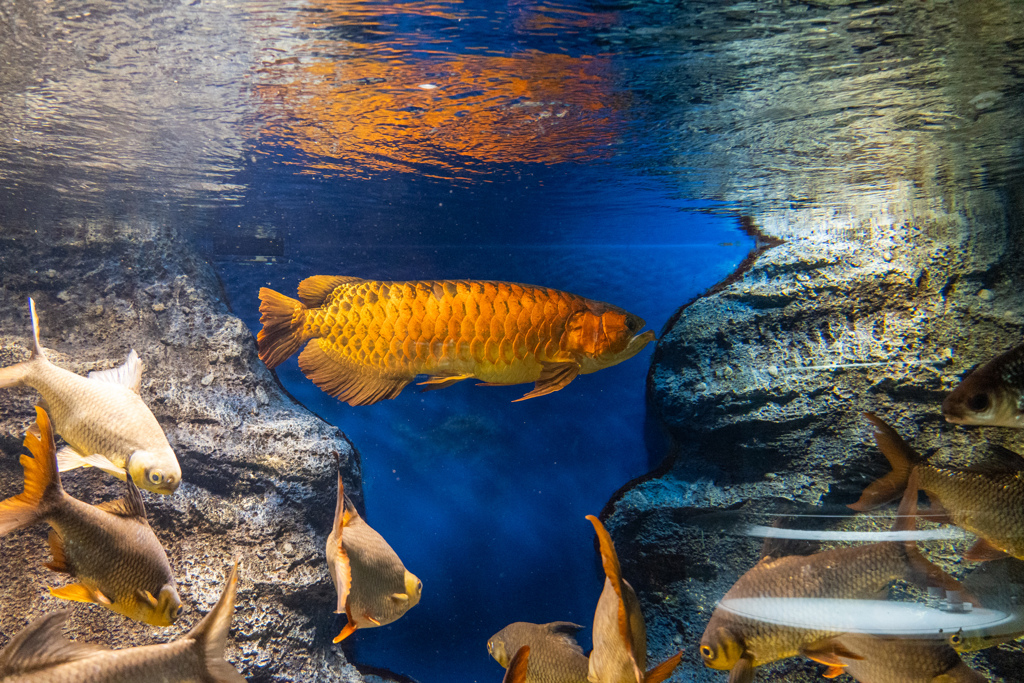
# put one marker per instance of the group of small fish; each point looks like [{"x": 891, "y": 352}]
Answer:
[
  {"x": 549, "y": 653},
  {"x": 747, "y": 630},
  {"x": 110, "y": 548}
]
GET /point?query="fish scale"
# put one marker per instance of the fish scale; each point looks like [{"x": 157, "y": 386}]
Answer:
[
  {"x": 555, "y": 656},
  {"x": 989, "y": 505}
]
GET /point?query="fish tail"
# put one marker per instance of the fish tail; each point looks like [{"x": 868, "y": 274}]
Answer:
[
  {"x": 43, "y": 490},
  {"x": 902, "y": 458},
  {"x": 282, "y": 318},
  {"x": 210, "y": 635},
  {"x": 14, "y": 376}
]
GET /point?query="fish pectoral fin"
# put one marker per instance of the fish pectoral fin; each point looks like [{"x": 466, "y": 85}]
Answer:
[
  {"x": 517, "y": 666},
  {"x": 983, "y": 551},
  {"x": 128, "y": 375},
  {"x": 742, "y": 671},
  {"x": 834, "y": 671},
  {"x": 829, "y": 652},
  {"x": 344, "y": 379},
  {"x": 555, "y": 376},
  {"x": 146, "y": 596},
  {"x": 60, "y": 560},
  {"x": 78, "y": 592},
  {"x": 435, "y": 383},
  {"x": 400, "y": 597},
  {"x": 69, "y": 459},
  {"x": 659, "y": 673},
  {"x": 349, "y": 629},
  {"x": 371, "y": 619}
]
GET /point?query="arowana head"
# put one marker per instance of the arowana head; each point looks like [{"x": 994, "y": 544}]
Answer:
[
  {"x": 157, "y": 472},
  {"x": 603, "y": 335}
]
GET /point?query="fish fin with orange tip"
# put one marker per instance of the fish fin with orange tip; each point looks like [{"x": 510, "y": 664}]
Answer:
[
  {"x": 518, "y": 666},
  {"x": 129, "y": 507},
  {"x": 662, "y": 671},
  {"x": 830, "y": 652},
  {"x": 210, "y": 635},
  {"x": 349, "y": 629},
  {"x": 435, "y": 383},
  {"x": 902, "y": 459},
  {"x": 77, "y": 592},
  {"x": 282, "y": 318},
  {"x": 346, "y": 381},
  {"x": 42, "y": 490},
  {"x": 59, "y": 563},
  {"x": 983, "y": 551},
  {"x": 372, "y": 620},
  {"x": 42, "y": 643},
  {"x": 555, "y": 376},
  {"x": 315, "y": 289},
  {"x": 613, "y": 571},
  {"x": 833, "y": 672},
  {"x": 742, "y": 671}
]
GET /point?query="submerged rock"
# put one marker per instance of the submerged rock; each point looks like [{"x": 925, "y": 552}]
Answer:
[
  {"x": 761, "y": 385},
  {"x": 259, "y": 471}
]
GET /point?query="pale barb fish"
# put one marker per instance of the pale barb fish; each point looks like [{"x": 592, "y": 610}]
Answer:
[
  {"x": 41, "y": 653},
  {"x": 101, "y": 417},
  {"x": 991, "y": 395}
]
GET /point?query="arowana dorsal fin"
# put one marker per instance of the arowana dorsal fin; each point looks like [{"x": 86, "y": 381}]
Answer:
[
  {"x": 128, "y": 375},
  {"x": 42, "y": 644},
  {"x": 130, "y": 507},
  {"x": 314, "y": 290},
  {"x": 211, "y": 634}
]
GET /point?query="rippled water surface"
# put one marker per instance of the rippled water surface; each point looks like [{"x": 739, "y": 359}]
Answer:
[{"x": 605, "y": 148}]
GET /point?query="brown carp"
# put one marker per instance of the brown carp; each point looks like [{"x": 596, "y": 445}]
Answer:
[
  {"x": 554, "y": 654},
  {"x": 991, "y": 395},
  {"x": 101, "y": 417},
  {"x": 889, "y": 659},
  {"x": 369, "y": 339},
  {"x": 41, "y": 654},
  {"x": 110, "y": 548}
]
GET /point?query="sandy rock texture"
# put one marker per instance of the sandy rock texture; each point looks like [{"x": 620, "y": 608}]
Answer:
[
  {"x": 259, "y": 474},
  {"x": 760, "y": 389}
]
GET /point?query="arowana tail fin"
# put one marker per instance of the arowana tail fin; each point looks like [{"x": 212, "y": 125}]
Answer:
[
  {"x": 902, "y": 458},
  {"x": 211, "y": 634},
  {"x": 282, "y": 318},
  {"x": 14, "y": 376},
  {"x": 42, "y": 482}
]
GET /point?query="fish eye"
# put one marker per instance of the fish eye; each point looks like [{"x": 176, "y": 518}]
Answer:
[
  {"x": 955, "y": 639},
  {"x": 154, "y": 477},
  {"x": 978, "y": 402},
  {"x": 706, "y": 651},
  {"x": 632, "y": 325},
  {"x": 177, "y": 612}
]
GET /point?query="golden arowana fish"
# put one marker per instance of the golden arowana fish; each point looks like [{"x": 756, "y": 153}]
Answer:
[
  {"x": 374, "y": 587},
  {"x": 736, "y": 642},
  {"x": 991, "y": 395},
  {"x": 41, "y": 654},
  {"x": 554, "y": 654},
  {"x": 890, "y": 659},
  {"x": 369, "y": 339},
  {"x": 110, "y": 548},
  {"x": 620, "y": 635},
  {"x": 101, "y": 417},
  {"x": 986, "y": 499}
]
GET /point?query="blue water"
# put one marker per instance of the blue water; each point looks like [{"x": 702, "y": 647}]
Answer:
[{"x": 484, "y": 499}]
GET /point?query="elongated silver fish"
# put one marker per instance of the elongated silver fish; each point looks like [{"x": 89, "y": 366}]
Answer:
[
  {"x": 101, "y": 417},
  {"x": 41, "y": 654}
]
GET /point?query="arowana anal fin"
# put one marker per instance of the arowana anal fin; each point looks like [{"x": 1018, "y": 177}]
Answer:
[
  {"x": 518, "y": 666},
  {"x": 42, "y": 644},
  {"x": 314, "y": 290},
  {"x": 77, "y": 592},
  {"x": 434, "y": 383},
  {"x": 554, "y": 377},
  {"x": 346, "y": 381},
  {"x": 128, "y": 375}
]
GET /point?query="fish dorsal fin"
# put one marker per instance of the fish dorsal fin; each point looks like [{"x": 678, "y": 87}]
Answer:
[
  {"x": 37, "y": 348},
  {"x": 128, "y": 375},
  {"x": 518, "y": 665},
  {"x": 131, "y": 506},
  {"x": 42, "y": 644},
  {"x": 613, "y": 571},
  {"x": 566, "y": 630},
  {"x": 998, "y": 460},
  {"x": 314, "y": 290},
  {"x": 211, "y": 634}
]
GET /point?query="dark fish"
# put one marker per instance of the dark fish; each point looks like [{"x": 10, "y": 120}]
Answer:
[
  {"x": 986, "y": 499},
  {"x": 738, "y": 643},
  {"x": 370, "y": 339},
  {"x": 374, "y": 587},
  {"x": 555, "y": 656},
  {"x": 102, "y": 418},
  {"x": 620, "y": 635},
  {"x": 41, "y": 654},
  {"x": 110, "y": 548},
  {"x": 991, "y": 395},
  {"x": 889, "y": 659}
]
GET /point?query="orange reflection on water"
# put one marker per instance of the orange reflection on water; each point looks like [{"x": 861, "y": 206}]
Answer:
[{"x": 376, "y": 108}]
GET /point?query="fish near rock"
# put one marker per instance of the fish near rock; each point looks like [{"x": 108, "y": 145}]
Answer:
[
  {"x": 889, "y": 659},
  {"x": 986, "y": 498},
  {"x": 41, "y": 654},
  {"x": 369, "y": 339},
  {"x": 620, "y": 634},
  {"x": 101, "y": 417},
  {"x": 109, "y": 548},
  {"x": 554, "y": 654},
  {"x": 991, "y": 395},
  {"x": 374, "y": 587}
]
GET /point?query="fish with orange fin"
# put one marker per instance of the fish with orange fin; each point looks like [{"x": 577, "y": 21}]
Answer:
[
  {"x": 518, "y": 666},
  {"x": 991, "y": 395},
  {"x": 110, "y": 548},
  {"x": 555, "y": 656},
  {"x": 620, "y": 635},
  {"x": 41, "y": 653},
  {"x": 739, "y": 641},
  {"x": 374, "y": 587},
  {"x": 986, "y": 498},
  {"x": 101, "y": 417},
  {"x": 369, "y": 339},
  {"x": 889, "y": 659}
]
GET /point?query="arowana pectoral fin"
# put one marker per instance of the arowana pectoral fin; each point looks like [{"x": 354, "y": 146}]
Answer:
[
  {"x": 555, "y": 376},
  {"x": 434, "y": 383},
  {"x": 80, "y": 593}
]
